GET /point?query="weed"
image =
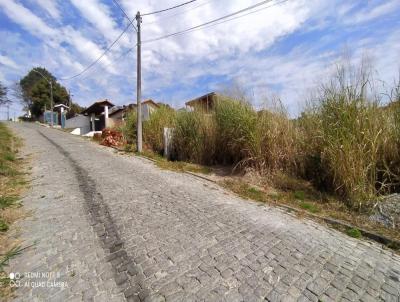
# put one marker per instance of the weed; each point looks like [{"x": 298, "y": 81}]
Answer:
[
  {"x": 6, "y": 201},
  {"x": 3, "y": 226},
  {"x": 353, "y": 232},
  {"x": 309, "y": 207},
  {"x": 299, "y": 195},
  {"x": 255, "y": 194}
]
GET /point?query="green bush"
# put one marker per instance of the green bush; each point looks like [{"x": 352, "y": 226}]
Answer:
[
  {"x": 355, "y": 233},
  {"x": 128, "y": 129}
]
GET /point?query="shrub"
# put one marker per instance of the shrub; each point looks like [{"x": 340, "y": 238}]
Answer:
[
  {"x": 153, "y": 129},
  {"x": 128, "y": 129},
  {"x": 353, "y": 232}
]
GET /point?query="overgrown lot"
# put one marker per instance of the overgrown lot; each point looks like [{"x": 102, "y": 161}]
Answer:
[
  {"x": 344, "y": 147},
  {"x": 11, "y": 185}
]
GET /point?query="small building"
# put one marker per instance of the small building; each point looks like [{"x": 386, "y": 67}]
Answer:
[
  {"x": 117, "y": 114},
  {"x": 61, "y": 109},
  {"x": 148, "y": 107},
  {"x": 59, "y": 114},
  {"x": 205, "y": 102},
  {"x": 98, "y": 114}
]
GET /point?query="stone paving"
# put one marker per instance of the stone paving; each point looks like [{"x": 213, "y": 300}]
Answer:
[{"x": 117, "y": 228}]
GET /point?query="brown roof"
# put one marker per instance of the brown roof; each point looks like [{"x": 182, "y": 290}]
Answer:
[
  {"x": 97, "y": 107},
  {"x": 204, "y": 98},
  {"x": 150, "y": 101}
]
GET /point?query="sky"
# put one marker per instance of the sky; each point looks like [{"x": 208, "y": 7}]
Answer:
[{"x": 282, "y": 48}]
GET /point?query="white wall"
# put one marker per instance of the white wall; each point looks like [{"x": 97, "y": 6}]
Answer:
[{"x": 79, "y": 121}]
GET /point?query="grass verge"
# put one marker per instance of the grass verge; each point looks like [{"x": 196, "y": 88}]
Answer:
[
  {"x": 309, "y": 201},
  {"x": 12, "y": 183}
]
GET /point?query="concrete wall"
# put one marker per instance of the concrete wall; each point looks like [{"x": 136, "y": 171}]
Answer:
[
  {"x": 79, "y": 121},
  {"x": 115, "y": 119},
  {"x": 147, "y": 109}
]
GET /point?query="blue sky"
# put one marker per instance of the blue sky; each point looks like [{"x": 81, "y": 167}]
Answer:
[{"x": 283, "y": 50}]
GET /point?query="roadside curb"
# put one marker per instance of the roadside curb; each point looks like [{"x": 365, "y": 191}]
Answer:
[{"x": 390, "y": 243}]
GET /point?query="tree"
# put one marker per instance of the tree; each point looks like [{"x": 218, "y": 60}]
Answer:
[
  {"x": 74, "y": 109},
  {"x": 3, "y": 95},
  {"x": 36, "y": 91}
]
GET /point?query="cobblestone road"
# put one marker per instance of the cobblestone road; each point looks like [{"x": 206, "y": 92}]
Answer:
[{"x": 117, "y": 228}]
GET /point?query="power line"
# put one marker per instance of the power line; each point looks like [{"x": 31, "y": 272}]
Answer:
[
  {"x": 179, "y": 13},
  {"x": 111, "y": 63},
  {"x": 167, "y": 9},
  {"x": 208, "y": 23},
  {"x": 125, "y": 14},
  {"x": 241, "y": 16},
  {"x": 101, "y": 56}
]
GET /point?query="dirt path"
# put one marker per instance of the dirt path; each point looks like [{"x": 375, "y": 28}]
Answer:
[{"x": 109, "y": 227}]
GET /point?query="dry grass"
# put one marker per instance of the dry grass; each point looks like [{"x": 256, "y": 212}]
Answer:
[
  {"x": 179, "y": 166},
  {"x": 12, "y": 184},
  {"x": 350, "y": 141},
  {"x": 306, "y": 201}
]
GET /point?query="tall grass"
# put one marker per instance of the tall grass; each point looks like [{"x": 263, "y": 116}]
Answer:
[
  {"x": 236, "y": 123},
  {"x": 345, "y": 142},
  {"x": 128, "y": 128},
  {"x": 275, "y": 145},
  {"x": 153, "y": 128},
  {"x": 194, "y": 137},
  {"x": 347, "y": 136}
]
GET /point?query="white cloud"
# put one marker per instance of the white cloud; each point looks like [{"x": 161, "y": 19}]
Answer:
[
  {"x": 8, "y": 62},
  {"x": 370, "y": 11},
  {"x": 99, "y": 16},
  {"x": 175, "y": 69},
  {"x": 50, "y": 6},
  {"x": 24, "y": 17}
]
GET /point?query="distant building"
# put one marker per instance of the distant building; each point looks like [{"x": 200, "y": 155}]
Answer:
[
  {"x": 118, "y": 114},
  {"x": 59, "y": 114},
  {"x": 93, "y": 118},
  {"x": 98, "y": 113},
  {"x": 205, "y": 102}
]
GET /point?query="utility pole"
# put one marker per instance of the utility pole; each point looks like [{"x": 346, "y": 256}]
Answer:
[
  {"x": 8, "y": 112},
  {"x": 139, "y": 87},
  {"x": 51, "y": 104}
]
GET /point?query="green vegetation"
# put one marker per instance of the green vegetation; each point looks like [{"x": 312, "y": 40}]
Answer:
[
  {"x": 355, "y": 233},
  {"x": 34, "y": 91},
  {"x": 11, "y": 183},
  {"x": 345, "y": 143},
  {"x": 3, "y": 226},
  {"x": 128, "y": 129},
  {"x": 6, "y": 201},
  {"x": 3, "y": 95},
  {"x": 309, "y": 207},
  {"x": 163, "y": 117},
  {"x": 299, "y": 195}
]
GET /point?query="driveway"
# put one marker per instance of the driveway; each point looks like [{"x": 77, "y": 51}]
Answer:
[{"x": 111, "y": 227}]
